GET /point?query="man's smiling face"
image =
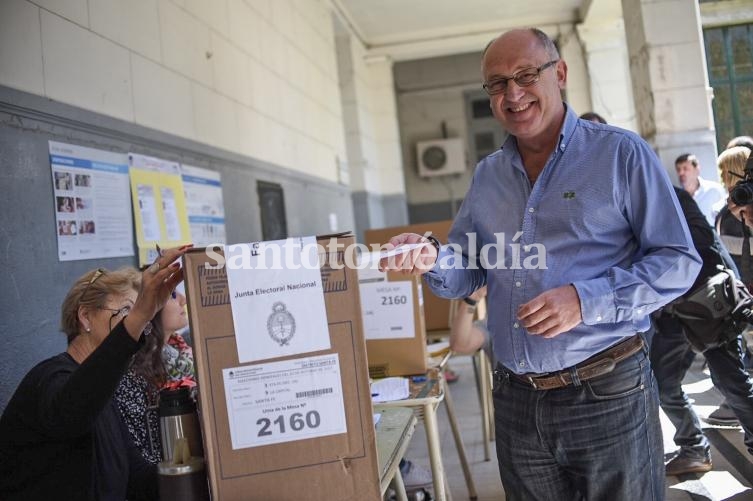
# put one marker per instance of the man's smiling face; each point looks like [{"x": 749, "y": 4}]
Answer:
[{"x": 525, "y": 112}]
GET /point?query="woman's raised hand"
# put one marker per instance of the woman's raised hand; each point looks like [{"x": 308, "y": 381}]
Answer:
[{"x": 157, "y": 284}]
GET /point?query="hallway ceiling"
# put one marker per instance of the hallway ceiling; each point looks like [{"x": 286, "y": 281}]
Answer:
[{"x": 409, "y": 29}]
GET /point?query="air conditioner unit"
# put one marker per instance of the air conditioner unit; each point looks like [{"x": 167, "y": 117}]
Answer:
[{"x": 440, "y": 157}]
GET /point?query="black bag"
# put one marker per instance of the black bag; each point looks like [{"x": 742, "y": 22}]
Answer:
[{"x": 715, "y": 312}]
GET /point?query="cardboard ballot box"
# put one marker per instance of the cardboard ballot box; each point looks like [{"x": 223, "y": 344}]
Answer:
[
  {"x": 393, "y": 318},
  {"x": 292, "y": 427},
  {"x": 436, "y": 309}
]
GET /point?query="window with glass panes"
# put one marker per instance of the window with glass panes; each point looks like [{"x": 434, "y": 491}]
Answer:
[
  {"x": 484, "y": 132},
  {"x": 729, "y": 57}
]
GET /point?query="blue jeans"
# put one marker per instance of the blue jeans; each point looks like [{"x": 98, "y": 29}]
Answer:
[
  {"x": 594, "y": 440},
  {"x": 671, "y": 357}
]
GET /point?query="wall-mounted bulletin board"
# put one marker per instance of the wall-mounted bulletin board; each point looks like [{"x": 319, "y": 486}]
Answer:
[{"x": 42, "y": 201}]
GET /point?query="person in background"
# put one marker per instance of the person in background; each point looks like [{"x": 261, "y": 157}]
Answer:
[
  {"x": 415, "y": 476},
  {"x": 731, "y": 163},
  {"x": 594, "y": 242},
  {"x": 746, "y": 141},
  {"x": 743, "y": 213},
  {"x": 165, "y": 359},
  {"x": 672, "y": 356},
  {"x": 705, "y": 193},
  {"x": 467, "y": 336},
  {"x": 592, "y": 116},
  {"x": 61, "y": 436}
]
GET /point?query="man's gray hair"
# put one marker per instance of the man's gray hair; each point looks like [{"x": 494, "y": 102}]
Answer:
[
  {"x": 547, "y": 43},
  {"x": 543, "y": 39}
]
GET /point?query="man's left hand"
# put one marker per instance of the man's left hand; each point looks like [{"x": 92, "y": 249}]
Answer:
[{"x": 551, "y": 313}]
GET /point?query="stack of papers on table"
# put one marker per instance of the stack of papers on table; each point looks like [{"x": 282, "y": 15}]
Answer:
[
  {"x": 388, "y": 389},
  {"x": 438, "y": 349}
]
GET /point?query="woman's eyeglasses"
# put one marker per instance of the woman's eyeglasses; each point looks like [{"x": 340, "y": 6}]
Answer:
[
  {"x": 120, "y": 312},
  {"x": 117, "y": 314}
]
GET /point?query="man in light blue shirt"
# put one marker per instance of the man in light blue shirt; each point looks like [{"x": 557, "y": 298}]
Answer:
[{"x": 576, "y": 230}]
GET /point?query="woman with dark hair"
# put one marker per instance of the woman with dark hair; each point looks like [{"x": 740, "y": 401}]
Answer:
[
  {"x": 157, "y": 364},
  {"x": 61, "y": 435}
]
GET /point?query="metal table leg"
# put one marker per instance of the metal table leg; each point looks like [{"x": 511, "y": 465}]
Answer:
[
  {"x": 459, "y": 442},
  {"x": 435, "y": 452}
]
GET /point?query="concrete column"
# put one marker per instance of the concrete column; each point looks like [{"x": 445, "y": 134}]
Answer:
[
  {"x": 372, "y": 141},
  {"x": 578, "y": 93},
  {"x": 609, "y": 69},
  {"x": 669, "y": 79},
  {"x": 386, "y": 140}
]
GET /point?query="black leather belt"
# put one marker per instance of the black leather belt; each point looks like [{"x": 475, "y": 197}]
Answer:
[{"x": 597, "y": 365}]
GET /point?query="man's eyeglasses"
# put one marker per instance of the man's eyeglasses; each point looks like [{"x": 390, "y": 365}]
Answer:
[{"x": 523, "y": 77}]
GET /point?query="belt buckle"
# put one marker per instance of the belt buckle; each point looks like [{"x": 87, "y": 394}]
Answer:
[{"x": 532, "y": 382}]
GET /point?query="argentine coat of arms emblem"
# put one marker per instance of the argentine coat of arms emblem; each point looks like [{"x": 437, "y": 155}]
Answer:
[{"x": 281, "y": 324}]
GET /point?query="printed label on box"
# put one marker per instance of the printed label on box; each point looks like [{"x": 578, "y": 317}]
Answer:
[
  {"x": 284, "y": 401},
  {"x": 277, "y": 298},
  {"x": 387, "y": 310}
]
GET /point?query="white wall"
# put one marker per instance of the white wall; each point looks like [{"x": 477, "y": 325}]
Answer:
[
  {"x": 370, "y": 115},
  {"x": 255, "y": 77},
  {"x": 431, "y": 91}
]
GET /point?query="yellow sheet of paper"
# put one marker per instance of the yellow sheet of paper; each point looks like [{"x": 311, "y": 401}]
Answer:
[{"x": 159, "y": 210}]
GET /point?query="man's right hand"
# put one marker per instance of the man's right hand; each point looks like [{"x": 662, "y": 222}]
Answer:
[{"x": 416, "y": 262}]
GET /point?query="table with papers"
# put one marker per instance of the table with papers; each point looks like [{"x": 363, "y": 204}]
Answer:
[{"x": 425, "y": 394}]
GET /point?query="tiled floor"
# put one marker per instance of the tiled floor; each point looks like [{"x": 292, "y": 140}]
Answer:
[{"x": 731, "y": 478}]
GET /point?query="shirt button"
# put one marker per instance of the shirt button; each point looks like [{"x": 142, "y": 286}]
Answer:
[
  {"x": 516, "y": 325},
  {"x": 598, "y": 318},
  {"x": 518, "y": 284},
  {"x": 531, "y": 209},
  {"x": 522, "y": 363}
]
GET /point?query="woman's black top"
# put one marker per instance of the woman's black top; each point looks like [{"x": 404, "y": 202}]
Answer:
[{"x": 61, "y": 436}]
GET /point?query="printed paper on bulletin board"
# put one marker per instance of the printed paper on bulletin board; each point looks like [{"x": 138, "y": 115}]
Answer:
[
  {"x": 159, "y": 205},
  {"x": 92, "y": 202}
]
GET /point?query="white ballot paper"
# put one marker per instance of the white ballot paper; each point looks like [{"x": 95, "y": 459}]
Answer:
[
  {"x": 277, "y": 298},
  {"x": 374, "y": 257},
  {"x": 284, "y": 401}
]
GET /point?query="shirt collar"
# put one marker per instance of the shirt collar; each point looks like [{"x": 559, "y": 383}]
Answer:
[
  {"x": 568, "y": 127},
  {"x": 566, "y": 133}
]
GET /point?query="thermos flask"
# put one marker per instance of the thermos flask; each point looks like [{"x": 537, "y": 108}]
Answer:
[
  {"x": 178, "y": 419},
  {"x": 183, "y": 478}
]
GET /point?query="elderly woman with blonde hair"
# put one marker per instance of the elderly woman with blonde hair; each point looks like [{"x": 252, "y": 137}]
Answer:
[
  {"x": 731, "y": 165},
  {"x": 61, "y": 436},
  {"x": 732, "y": 232}
]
